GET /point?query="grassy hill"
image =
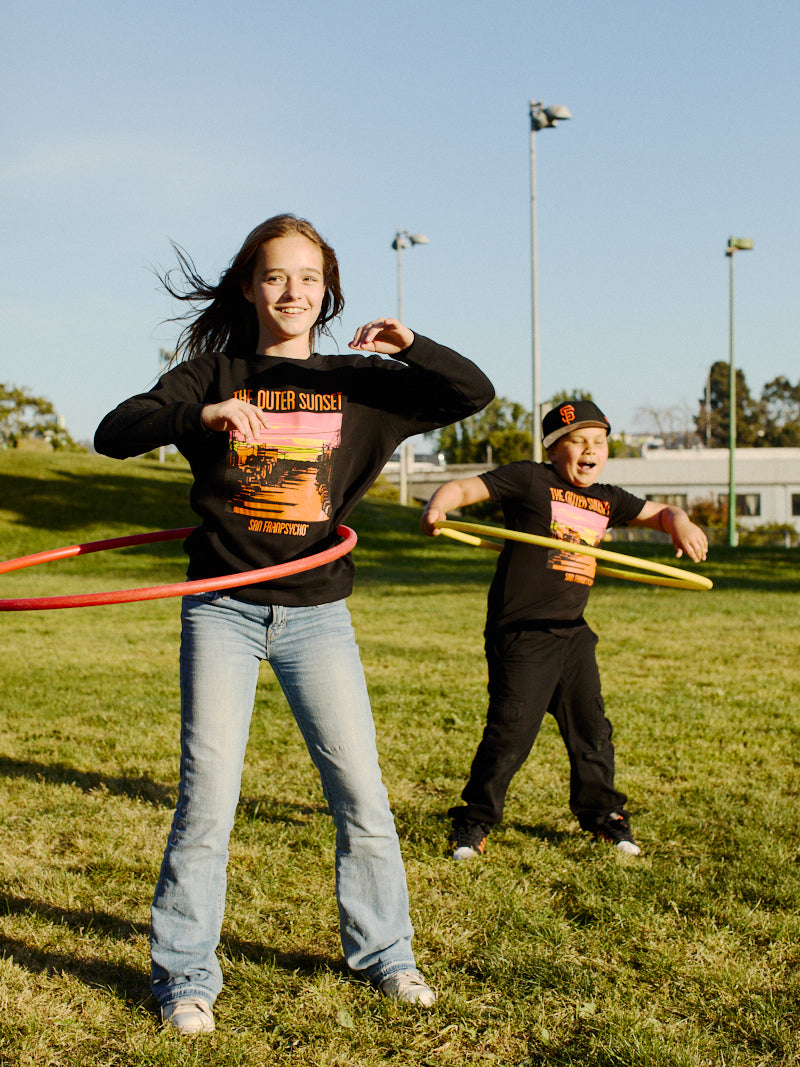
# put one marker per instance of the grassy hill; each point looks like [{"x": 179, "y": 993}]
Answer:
[{"x": 550, "y": 951}]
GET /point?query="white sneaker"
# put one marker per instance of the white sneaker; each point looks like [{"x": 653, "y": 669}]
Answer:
[
  {"x": 409, "y": 987},
  {"x": 629, "y": 847},
  {"x": 467, "y": 840},
  {"x": 616, "y": 830},
  {"x": 465, "y": 853},
  {"x": 188, "y": 1016}
]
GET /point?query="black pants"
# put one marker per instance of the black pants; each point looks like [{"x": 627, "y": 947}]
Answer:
[{"x": 532, "y": 672}]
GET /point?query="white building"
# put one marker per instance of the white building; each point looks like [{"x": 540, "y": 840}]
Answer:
[{"x": 767, "y": 480}]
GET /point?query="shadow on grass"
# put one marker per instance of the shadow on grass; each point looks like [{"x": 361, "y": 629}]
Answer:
[
  {"x": 415, "y": 826},
  {"x": 541, "y": 832},
  {"x": 129, "y": 983},
  {"x": 140, "y": 788},
  {"x": 267, "y": 809},
  {"x": 69, "y": 498}
]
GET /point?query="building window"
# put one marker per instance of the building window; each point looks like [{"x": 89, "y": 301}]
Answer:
[
  {"x": 675, "y": 500},
  {"x": 746, "y": 503},
  {"x": 795, "y": 503}
]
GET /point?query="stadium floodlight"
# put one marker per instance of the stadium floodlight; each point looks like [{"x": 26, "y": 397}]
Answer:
[
  {"x": 735, "y": 244},
  {"x": 404, "y": 239},
  {"x": 542, "y": 118}
]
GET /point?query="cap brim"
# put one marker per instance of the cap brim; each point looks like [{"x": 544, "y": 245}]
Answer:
[{"x": 563, "y": 430}]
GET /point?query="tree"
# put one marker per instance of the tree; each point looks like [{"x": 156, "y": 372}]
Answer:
[
  {"x": 713, "y": 419},
  {"x": 501, "y": 433},
  {"x": 672, "y": 424},
  {"x": 773, "y": 420},
  {"x": 569, "y": 394},
  {"x": 780, "y": 414},
  {"x": 23, "y": 415}
]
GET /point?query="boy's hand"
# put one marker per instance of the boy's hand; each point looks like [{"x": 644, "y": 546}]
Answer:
[
  {"x": 448, "y": 497},
  {"x": 430, "y": 516},
  {"x": 686, "y": 536}
]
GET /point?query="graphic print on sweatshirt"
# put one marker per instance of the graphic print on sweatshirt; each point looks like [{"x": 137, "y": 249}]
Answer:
[
  {"x": 582, "y": 521},
  {"x": 283, "y": 478}
]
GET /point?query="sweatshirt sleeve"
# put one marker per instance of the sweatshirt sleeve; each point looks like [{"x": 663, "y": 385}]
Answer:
[
  {"x": 436, "y": 386},
  {"x": 165, "y": 415}
]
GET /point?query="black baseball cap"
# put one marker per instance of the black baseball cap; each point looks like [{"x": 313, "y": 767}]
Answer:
[{"x": 571, "y": 415}]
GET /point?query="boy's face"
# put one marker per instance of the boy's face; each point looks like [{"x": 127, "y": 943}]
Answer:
[{"x": 580, "y": 455}]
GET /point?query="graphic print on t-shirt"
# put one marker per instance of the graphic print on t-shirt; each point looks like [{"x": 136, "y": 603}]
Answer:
[
  {"x": 284, "y": 476},
  {"x": 582, "y": 526}
]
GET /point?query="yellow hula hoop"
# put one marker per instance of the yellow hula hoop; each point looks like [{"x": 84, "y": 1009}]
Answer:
[{"x": 662, "y": 574}]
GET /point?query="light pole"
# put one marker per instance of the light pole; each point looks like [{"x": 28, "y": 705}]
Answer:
[
  {"x": 404, "y": 239},
  {"x": 164, "y": 358},
  {"x": 735, "y": 244},
  {"x": 542, "y": 118},
  {"x": 708, "y": 408}
]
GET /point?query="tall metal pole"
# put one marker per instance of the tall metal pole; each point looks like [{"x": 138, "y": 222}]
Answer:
[
  {"x": 163, "y": 363},
  {"x": 735, "y": 244},
  {"x": 404, "y": 446},
  {"x": 731, "y": 422},
  {"x": 404, "y": 239},
  {"x": 542, "y": 118},
  {"x": 399, "y": 244},
  {"x": 535, "y": 435}
]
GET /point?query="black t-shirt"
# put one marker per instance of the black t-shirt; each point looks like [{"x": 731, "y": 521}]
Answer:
[
  {"x": 547, "y": 587},
  {"x": 333, "y": 423}
]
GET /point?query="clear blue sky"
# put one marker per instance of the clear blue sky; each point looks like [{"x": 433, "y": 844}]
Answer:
[{"x": 127, "y": 125}]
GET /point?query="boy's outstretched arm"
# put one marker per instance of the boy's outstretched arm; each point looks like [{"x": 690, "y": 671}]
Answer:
[
  {"x": 451, "y": 495},
  {"x": 686, "y": 536}
]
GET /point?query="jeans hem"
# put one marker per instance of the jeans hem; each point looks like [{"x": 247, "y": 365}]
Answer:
[
  {"x": 380, "y": 972},
  {"x": 187, "y": 992}
]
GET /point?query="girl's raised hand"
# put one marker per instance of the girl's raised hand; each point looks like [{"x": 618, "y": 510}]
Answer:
[
  {"x": 387, "y": 336},
  {"x": 245, "y": 419}
]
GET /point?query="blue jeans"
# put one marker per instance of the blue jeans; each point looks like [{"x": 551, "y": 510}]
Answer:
[{"x": 313, "y": 652}]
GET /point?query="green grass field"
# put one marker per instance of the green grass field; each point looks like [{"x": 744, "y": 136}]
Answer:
[{"x": 550, "y": 951}]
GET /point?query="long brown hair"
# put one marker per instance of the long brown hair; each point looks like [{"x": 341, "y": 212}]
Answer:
[{"x": 229, "y": 323}]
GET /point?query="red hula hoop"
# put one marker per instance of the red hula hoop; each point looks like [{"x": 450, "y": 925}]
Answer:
[{"x": 157, "y": 592}]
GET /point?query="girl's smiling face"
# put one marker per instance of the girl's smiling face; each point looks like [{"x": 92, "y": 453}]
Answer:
[
  {"x": 580, "y": 455},
  {"x": 287, "y": 289}
]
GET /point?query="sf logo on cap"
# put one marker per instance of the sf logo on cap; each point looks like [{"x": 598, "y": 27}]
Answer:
[{"x": 567, "y": 414}]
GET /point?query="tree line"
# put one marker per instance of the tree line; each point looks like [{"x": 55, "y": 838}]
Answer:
[
  {"x": 24, "y": 416},
  {"x": 771, "y": 420},
  {"x": 501, "y": 433}
]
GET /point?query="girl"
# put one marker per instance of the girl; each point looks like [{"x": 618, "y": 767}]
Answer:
[{"x": 282, "y": 443}]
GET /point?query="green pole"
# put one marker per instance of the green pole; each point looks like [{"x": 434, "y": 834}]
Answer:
[
  {"x": 735, "y": 244},
  {"x": 731, "y": 424}
]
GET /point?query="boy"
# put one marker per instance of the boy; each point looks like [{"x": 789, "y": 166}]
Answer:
[{"x": 540, "y": 651}]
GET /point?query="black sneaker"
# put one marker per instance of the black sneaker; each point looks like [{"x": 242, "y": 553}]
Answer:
[
  {"x": 467, "y": 839},
  {"x": 615, "y": 829}
]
